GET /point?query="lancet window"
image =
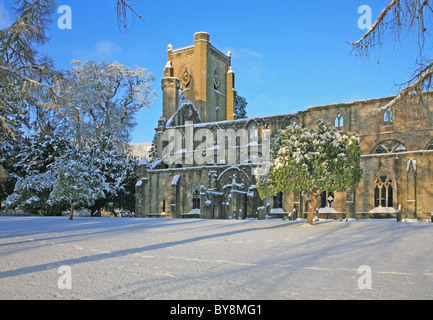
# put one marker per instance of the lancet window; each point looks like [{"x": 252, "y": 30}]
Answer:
[{"x": 383, "y": 192}]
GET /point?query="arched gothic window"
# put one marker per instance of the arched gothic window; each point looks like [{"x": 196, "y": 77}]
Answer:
[
  {"x": 339, "y": 121},
  {"x": 430, "y": 146},
  {"x": 390, "y": 147},
  {"x": 254, "y": 133},
  {"x": 383, "y": 192}
]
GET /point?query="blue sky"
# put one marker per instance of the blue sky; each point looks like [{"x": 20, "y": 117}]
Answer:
[{"x": 287, "y": 55}]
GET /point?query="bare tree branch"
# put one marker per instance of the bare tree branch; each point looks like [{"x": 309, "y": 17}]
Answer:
[
  {"x": 399, "y": 15},
  {"x": 19, "y": 74},
  {"x": 122, "y": 8},
  {"x": 422, "y": 77},
  {"x": 375, "y": 25}
]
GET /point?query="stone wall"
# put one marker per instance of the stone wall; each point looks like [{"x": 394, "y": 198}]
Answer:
[{"x": 397, "y": 159}]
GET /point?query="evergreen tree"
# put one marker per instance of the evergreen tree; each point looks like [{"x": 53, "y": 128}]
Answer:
[
  {"x": 311, "y": 161},
  {"x": 31, "y": 169},
  {"x": 119, "y": 172},
  {"x": 240, "y": 105},
  {"x": 78, "y": 182},
  {"x": 23, "y": 72},
  {"x": 109, "y": 93},
  {"x": 153, "y": 150}
]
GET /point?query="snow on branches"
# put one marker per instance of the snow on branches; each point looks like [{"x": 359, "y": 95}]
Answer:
[
  {"x": 78, "y": 183},
  {"x": 53, "y": 175},
  {"x": 414, "y": 16},
  {"x": 102, "y": 99},
  {"x": 311, "y": 161}
]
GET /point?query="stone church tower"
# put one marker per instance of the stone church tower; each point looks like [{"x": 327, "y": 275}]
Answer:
[{"x": 204, "y": 75}]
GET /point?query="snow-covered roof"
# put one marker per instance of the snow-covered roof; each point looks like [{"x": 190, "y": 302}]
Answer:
[
  {"x": 186, "y": 107},
  {"x": 144, "y": 162}
]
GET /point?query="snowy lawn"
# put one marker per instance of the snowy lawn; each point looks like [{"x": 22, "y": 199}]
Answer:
[{"x": 125, "y": 258}]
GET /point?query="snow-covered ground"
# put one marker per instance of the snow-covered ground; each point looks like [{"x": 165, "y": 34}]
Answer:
[{"x": 126, "y": 258}]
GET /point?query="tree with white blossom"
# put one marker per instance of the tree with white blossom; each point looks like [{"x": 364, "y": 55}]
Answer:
[{"x": 311, "y": 161}]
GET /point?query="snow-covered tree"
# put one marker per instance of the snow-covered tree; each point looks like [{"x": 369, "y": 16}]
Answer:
[
  {"x": 153, "y": 153},
  {"x": 78, "y": 184},
  {"x": 28, "y": 79},
  {"x": 31, "y": 193},
  {"x": 36, "y": 153},
  {"x": 119, "y": 172},
  {"x": 311, "y": 161},
  {"x": 240, "y": 105},
  {"x": 7, "y": 160},
  {"x": 23, "y": 72},
  {"x": 29, "y": 85},
  {"x": 100, "y": 100},
  {"x": 39, "y": 171},
  {"x": 30, "y": 166}
]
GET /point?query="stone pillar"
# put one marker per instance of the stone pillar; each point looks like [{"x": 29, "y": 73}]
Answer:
[
  {"x": 170, "y": 96},
  {"x": 411, "y": 189},
  {"x": 170, "y": 87},
  {"x": 159, "y": 131},
  {"x": 201, "y": 48},
  {"x": 301, "y": 207},
  {"x": 141, "y": 193},
  {"x": 350, "y": 204},
  {"x": 231, "y": 94},
  {"x": 296, "y": 205},
  {"x": 168, "y": 70},
  {"x": 251, "y": 205},
  {"x": 204, "y": 209},
  {"x": 175, "y": 196}
]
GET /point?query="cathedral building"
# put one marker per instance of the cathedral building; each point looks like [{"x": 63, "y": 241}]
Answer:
[{"x": 207, "y": 161}]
